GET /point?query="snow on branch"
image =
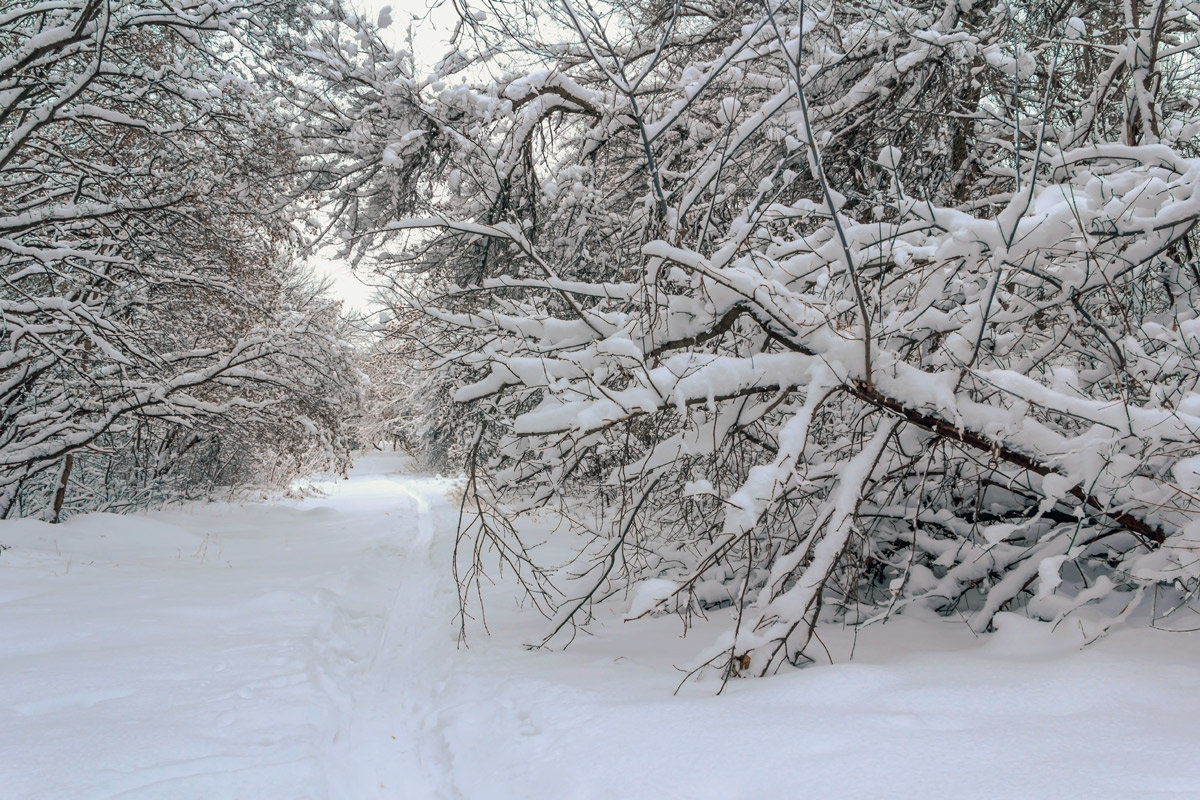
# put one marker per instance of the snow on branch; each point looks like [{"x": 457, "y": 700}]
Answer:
[{"x": 830, "y": 316}]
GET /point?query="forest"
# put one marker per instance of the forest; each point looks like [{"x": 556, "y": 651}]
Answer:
[{"x": 793, "y": 311}]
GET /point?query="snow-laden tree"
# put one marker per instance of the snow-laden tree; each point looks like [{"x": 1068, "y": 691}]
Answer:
[
  {"x": 816, "y": 310},
  {"x": 159, "y": 339}
]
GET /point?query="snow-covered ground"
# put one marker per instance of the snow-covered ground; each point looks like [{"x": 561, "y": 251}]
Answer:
[{"x": 305, "y": 649}]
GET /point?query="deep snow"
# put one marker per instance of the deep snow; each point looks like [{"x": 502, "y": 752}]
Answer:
[{"x": 306, "y": 649}]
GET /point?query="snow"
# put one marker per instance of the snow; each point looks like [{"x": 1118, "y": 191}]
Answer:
[
  {"x": 306, "y": 649},
  {"x": 889, "y": 157}
]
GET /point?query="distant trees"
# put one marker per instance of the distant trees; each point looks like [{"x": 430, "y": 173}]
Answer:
[
  {"x": 157, "y": 338},
  {"x": 816, "y": 311}
]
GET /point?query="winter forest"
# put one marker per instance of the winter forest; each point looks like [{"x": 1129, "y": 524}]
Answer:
[{"x": 770, "y": 323}]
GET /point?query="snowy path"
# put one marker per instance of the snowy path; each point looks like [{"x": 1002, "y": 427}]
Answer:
[
  {"x": 257, "y": 652},
  {"x": 305, "y": 650}
]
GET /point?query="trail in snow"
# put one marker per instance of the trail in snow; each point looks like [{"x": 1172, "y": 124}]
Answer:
[
  {"x": 307, "y": 650},
  {"x": 266, "y": 651}
]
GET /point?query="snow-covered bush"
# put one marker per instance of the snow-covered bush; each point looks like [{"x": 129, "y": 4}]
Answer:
[{"x": 837, "y": 313}]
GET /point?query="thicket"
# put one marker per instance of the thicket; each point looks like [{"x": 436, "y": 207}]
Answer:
[{"x": 817, "y": 310}]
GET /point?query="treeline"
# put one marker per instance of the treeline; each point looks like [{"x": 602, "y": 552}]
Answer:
[{"x": 159, "y": 338}]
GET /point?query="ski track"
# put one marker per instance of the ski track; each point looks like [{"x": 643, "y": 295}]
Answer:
[{"x": 385, "y": 737}]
